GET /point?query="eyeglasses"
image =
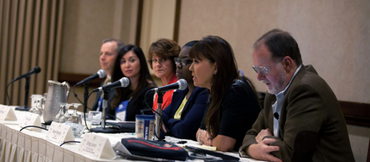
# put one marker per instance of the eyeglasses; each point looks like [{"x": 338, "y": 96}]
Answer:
[
  {"x": 182, "y": 61},
  {"x": 263, "y": 70}
]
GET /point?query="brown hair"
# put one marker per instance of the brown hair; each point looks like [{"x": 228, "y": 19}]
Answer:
[
  {"x": 280, "y": 43},
  {"x": 164, "y": 48},
  {"x": 119, "y": 43}
]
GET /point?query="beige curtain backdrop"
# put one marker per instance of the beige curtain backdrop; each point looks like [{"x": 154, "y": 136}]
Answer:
[{"x": 30, "y": 35}]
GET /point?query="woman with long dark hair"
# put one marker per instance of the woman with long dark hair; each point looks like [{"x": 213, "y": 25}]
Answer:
[
  {"x": 233, "y": 105},
  {"x": 131, "y": 100},
  {"x": 183, "y": 116}
]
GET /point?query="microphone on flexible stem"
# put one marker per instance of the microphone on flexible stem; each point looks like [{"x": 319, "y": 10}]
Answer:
[
  {"x": 100, "y": 74},
  {"x": 158, "y": 116},
  {"x": 181, "y": 85},
  {"x": 33, "y": 71},
  {"x": 27, "y": 86},
  {"x": 123, "y": 82}
]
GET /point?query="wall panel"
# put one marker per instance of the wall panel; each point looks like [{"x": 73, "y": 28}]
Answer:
[{"x": 333, "y": 35}]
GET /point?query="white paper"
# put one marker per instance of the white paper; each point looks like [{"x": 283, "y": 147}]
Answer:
[
  {"x": 96, "y": 146},
  {"x": 7, "y": 113},
  {"x": 31, "y": 119},
  {"x": 60, "y": 133},
  {"x": 120, "y": 147}
]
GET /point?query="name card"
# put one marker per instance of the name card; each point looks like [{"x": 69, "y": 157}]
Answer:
[
  {"x": 7, "y": 113},
  {"x": 96, "y": 146},
  {"x": 60, "y": 133},
  {"x": 31, "y": 119}
]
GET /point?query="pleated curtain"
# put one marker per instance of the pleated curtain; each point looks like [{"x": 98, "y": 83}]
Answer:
[{"x": 30, "y": 35}]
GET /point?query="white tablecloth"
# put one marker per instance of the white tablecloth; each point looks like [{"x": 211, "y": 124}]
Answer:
[{"x": 32, "y": 146}]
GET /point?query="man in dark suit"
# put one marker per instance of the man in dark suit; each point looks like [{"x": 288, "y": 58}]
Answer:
[
  {"x": 302, "y": 119},
  {"x": 108, "y": 54}
]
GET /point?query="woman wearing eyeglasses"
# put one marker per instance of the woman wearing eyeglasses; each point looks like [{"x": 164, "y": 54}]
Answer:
[
  {"x": 161, "y": 54},
  {"x": 183, "y": 116},
  {"x": 233, "y": 105}
]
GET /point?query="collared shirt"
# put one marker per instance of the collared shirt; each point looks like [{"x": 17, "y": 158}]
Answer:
[
  {"x": 276, "y": 107},
  {"x": 167, "y": 97},
  {"x": 180, "y": 109}
]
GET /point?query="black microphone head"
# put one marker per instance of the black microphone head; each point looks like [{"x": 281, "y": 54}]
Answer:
[
  {"x": 276, "y": 115},
  {"x": 124, "y": 81},
  {"x": 183, "y": 84},
  {"x": 37, "y": 69},
  {"x": 101, "y": 73}
]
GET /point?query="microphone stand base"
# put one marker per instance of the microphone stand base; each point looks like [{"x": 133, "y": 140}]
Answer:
[
  {"x": 104, "y": 130},
  {"x": 47, "y": 123},
  {"x": 22, "y": 108}
]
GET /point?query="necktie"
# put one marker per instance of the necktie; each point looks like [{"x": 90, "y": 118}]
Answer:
[{"x": 107, "y": 81}]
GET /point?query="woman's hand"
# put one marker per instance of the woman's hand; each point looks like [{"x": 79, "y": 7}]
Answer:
[
  {"x": 223, "y": 143},
  {"x": 203, "y": 137},
  {"x": 206, "y": 138},
  {"x": 164, "y": 128}
]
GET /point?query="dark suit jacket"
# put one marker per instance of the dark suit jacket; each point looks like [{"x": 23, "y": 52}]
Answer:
[
  {"x": 312, "y": 126},
  {"x": 191, "y": 116}
]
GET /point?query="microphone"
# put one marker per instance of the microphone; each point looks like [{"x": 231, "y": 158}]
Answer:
[
  {"x": 276, "y": 115},
  {"x": 101, "y": 74},
  {"x": 27, "y": 87},
  {"x": 180, "y": 84},
  {"x": 123, "y": 82},
  {"x": 34, "y": 71}
]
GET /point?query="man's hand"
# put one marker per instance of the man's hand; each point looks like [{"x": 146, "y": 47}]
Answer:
[
  {"x": 262, "y": 150},
  {"x": 263, "y": 133}
]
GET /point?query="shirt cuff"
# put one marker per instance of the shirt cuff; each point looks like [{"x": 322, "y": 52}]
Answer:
[{"x": 243, "y": 152}]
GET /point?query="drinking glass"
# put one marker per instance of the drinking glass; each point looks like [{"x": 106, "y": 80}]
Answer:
[
  {"x": 75, "y": 118},
  {"x": 44, "y": 100},
  {"x": 75, "y": 122},
  {"x": 36, "y": 104},
  {"x": 89, "y": 118},
  {"x": 61, "y": 112},
  {"x": 66, "y": 115}
]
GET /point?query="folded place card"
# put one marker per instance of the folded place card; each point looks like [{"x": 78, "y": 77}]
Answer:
[
  {"x": 7, "y": 113},
  {"x": 96, "y": 146},
  {"x": 60, "y": 133},
  {"x": 31, "y": 119}
]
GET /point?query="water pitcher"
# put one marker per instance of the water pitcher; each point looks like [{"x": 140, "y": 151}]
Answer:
[{"x": 57, "y": 92}]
